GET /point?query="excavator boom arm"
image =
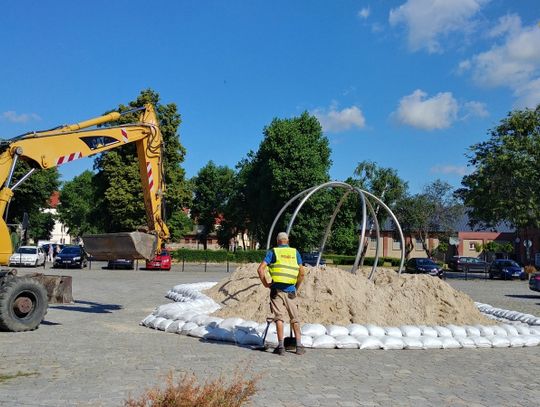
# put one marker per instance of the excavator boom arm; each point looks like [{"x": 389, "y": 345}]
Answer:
[{"x": 64, "y": 144}]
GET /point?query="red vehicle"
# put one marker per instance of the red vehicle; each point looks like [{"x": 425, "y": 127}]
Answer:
[{"x": 161, "y": 262}]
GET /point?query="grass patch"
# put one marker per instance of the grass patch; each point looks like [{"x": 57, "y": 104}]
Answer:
[
  {"x": 188, "y": 392},
  {"x": 6, "y": 377}
]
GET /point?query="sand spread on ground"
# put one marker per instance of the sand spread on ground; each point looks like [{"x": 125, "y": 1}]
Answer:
[{"x": 334, "y": 296}]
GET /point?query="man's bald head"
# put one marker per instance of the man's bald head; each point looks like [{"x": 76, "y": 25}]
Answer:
[{"x": 282, "y": 238}]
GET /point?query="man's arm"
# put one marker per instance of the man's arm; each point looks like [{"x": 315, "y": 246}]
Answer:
[
  {"x": 301, "y": 271},
  {"x": 262, "y": 274}
]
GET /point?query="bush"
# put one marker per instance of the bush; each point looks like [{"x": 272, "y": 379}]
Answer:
[
  {"x": 219, "y": 256},
  {"x": 187, "y": 392}
]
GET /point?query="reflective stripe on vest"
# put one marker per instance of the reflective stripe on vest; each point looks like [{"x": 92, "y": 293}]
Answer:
[{"x": 285, "y": 269}]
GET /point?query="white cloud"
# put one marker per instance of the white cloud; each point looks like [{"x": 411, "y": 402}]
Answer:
[
  {"x": 429, "y": 20},
  {"x": 438, "y": 112},
  {"x": 476, "y": 109},
  {"x": 514, "y": 63},
  {"x": 460, "y": 170},
  {"x": 364, "y": 13},
  {"x": 12, "y": 116},
  {"x": 334, "y": 121}
]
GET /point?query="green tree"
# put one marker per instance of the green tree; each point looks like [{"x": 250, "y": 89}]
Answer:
[
  {"x": 78, "y": 202},
  {"x": 32, "y": 196},
  {"x": 293, "y": 156},
  {"x": 435, "y": 211},
  {"x": 503, "y": 185},
  {"x": 212, "y": 189},
  {"x": 118, "y": 179}
]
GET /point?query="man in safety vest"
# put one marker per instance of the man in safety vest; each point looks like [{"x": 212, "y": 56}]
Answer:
[{"x": 285, "y": 266}]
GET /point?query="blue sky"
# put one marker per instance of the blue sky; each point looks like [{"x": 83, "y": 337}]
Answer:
[{"x": 407, "y": 84}]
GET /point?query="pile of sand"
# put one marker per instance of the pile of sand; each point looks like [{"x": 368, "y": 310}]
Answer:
[{"x": 334, "y": 296}]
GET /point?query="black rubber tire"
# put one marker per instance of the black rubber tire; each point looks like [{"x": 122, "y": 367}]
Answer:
[{"x": 13, "y": 289}]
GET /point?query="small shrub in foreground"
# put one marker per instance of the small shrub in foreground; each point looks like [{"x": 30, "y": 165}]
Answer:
[{"x": 187, "y": 392}]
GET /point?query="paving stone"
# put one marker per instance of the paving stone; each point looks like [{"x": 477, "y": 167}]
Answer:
[{"x": 94, "y": 353}]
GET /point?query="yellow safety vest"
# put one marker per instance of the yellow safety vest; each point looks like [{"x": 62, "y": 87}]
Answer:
[{"x": 286, "y": 268}]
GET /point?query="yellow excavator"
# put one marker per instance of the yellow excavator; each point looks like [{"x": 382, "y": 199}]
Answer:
[{"x": 23, "y": 300}]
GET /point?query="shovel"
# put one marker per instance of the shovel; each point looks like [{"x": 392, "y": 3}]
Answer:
[
  {"x": 264, "y": 346},
  {"x": 290, "y": 341}
]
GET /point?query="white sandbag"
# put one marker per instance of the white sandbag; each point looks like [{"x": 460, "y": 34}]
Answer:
[
  {"x": 324, "y": 342},
  {"x": 187, "y": 327},
  {"x": 392, "y": 342},
  {"x": 148, "y": 320},
  {"x": 221, "y": 334},
  {"x": 485, "y": 330},
  {"x": 535, "y": 330},
  {"x": 163, "y": 325},
  {"x": 187, "y": 315},
  {"x": 472, "y": 331},
  {"x": 531, "y": 340},
  {"x": 410, "y": 331},
  {"x": 510, "y": 329},
  {"x": 247, "y": 324},
  {"x": 271, "y": 339},
  {"x": 175, "y": 326},
  {"x": 336, "y": 330},
  {"x": 466, "y": 342},
  {"x": 357, "y": 330},
  {"x": 429, "y": 331},
  {"x": 155, "y": 323},
  {"x": 306, "y": 341},
  {"x": 481, "y": 341},
  {"x": 412, "y": 342},
  {"x": 523, "y": 329},
  {"x": 375, "y": 330},
  {"x": 392, "y": 331},
  {"x": 369, "y": 342},
  {"x": 199, "y": 319},
  {"x": 457, "y": 330},
  {"x": 499, "y": 331},
  {"x": 247, "y": 339},
  {"x": 516, "y": 341},
  {"x": 450, "y": 343},
  {"x": 430, "y": 342},
  {"x": 443, "y": 332},
  {"x": 347, "y": 342},
  {"x": 313, "y": 330},
  {"x": 230, "y": 323},
  {"x": 499, "y": 341},
  {"x": 199, "y": 332}
]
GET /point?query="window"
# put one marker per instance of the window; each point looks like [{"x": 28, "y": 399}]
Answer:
[
  {"x": 472, "y": 245},
  {"x": 95, "y": 142},
  {"x": 418, "y": 244},
  {"x": 373, "y": 242},
  {"x": 396, "y": 244},
  {"x": 209, "y": 241}
]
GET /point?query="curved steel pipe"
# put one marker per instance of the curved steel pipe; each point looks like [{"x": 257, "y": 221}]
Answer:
[
  {"x": 378, "y": 236},
  {"x": 397, "y": 225},
  {"x": 363, "y": 232}
]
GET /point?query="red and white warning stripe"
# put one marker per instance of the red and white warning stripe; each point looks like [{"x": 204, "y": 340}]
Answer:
[
  {"x": 150, "y": 176},
  {"x": 124, "y": 135},
  {"x": 67, "y": 158}
]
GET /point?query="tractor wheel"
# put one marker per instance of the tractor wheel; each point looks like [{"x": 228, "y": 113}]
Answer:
[{"x": 23, "y": 304}]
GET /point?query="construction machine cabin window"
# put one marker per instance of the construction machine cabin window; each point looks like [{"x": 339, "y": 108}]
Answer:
[{"x": 95, "y": 142}]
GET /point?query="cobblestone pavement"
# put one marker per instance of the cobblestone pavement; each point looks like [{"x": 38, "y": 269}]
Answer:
[{"x": 94, "y": 353}]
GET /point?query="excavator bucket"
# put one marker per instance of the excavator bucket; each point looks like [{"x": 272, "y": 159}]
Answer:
[{"x": 124, "y": 245}]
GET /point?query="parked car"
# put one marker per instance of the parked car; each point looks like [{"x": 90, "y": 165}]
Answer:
[
  {"x": 27, "y": 256},
  {"x": 120, "y": 264},
  {"x": 310, "y": 259},
  {"x": 161, "y": 261},
  {"x": 469, "y": 264},
  {"x": 424, "y": 266},
  {"x": 534, "y": 282},
  {"x": 71, "y": 256},
  {"x": 506, "y": 269}
]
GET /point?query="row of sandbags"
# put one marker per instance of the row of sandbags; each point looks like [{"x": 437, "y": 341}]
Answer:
[
  {"x": 501, "y": 314},
  {"x": 190, "y": 316}
]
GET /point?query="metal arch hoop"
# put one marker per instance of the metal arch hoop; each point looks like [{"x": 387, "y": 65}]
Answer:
[{"x": 366, "y": 205}]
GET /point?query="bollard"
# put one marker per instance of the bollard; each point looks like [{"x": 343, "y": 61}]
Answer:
[
  {"x": 137, "y": 264},
  {"x": 205, "y": 261},
  {"x": 183, "y": 260},
  {"x": 227, "y": 264},
  {"x": 466, "y": 268}
]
